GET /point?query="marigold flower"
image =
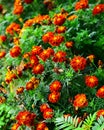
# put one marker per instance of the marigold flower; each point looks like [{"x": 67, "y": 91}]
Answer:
[
  {"x": 100, "y": 113},
  {"x": 91, "y": 81},
  {"x": 78, "y": 63},
  {"x": 28, "y": 1},
  {"x": 81, "y": 5},
  {"x": 69, "y": 44},
  {"x": 43, "y": 107},
  {"x": 38, "y": 69},
  {"x": 18, "y": 8},
  {"x": 15, "y": 51},
  {"x": 45, "y": 54},
  {"x": 98, "y": 9},
  {"x": 56, "y": 40},
  {"x": 2, "y": 99},
  {"x": 80, "y": 101},
  {"x": 41, "y": 126},
  {"x": 25, "y": 118},
  {"x": 60, "y": 56},
  {"x": 3, "y": 38},
  {"x": 60, "y": 29},
  {"x": 36, "y": 50},
  {"x": 13, "y": 27},
  {"x": 48, "y": 113},
  {"x": 72, "y": 17},
  {"x": 20, "y": 90},
  {"x": 2, "y": 54},
  {"x": 91, "y": 58},
  {"x": 54, "y": 97},
  {"x": 66, "y": 115},
  {"x": 55, "y": 86},
  {"x": 15, "y": 126},
  {"x": 29, "y": 85},
  {"x": 100, "y": 92},
  {"x": 34, "y": 60},
  {"x": 47, "y": 36},
  {"x": 59, "y": 19},
  {"x": 16, "y": 40}
]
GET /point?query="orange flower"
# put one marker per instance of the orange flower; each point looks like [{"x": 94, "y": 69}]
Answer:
[
  {"x": 18, "y": 8},
  {"x": 60, "y": 56},
  {"x": 47, "y": 36},
  {"x": 34, "y": 60},
  {"x": 91, "y": 57},
  {"x": 66, "y": 115},
  {"x": 38, "y": 69},
  {"x": 54, "y": 97},
  {"x": 15, "y": 126},
  {"x": 13, "y": 27},
  {"x": 43, "y": 107},
  {"x": 41, "y": 126},
  {"x": 3, "y": 38},
  {"x": 78, "y": 63},
  {"x": 29, "y": 85},
  {"x": 59, "y": 19},
  {"x": 72, "y": 17},
  {"x": 80, "y": 101},
  {"x": 2, "y": 54},
  {"x": 28, "y": 1},
  {"x": 100, "y": 113},
  {"x": 20, "y": 90},
  {"x": 48, "y": 113},
  {"x": 28, "y": 23},
  {"x": 45, "y": 54},
  {"x": 56, "y": 40},
  {"x": 1, "y": 8},
  {"x": 25, "y": 118},
  {"x": 100, "y": 92},
  {"x": 26, "y": 55},
  {"x": 55, "y": 86},
  {"x": 2, "y": 99},
  {"x": 69, "y": 44},
  {"x": 15, "y": 51},
  {"x": 98, "y": 9},
  {"x": 91, "y": 81},
  {"x": 36, "y": 50},
  {"x": 81, "y": 5},
  {"x": 16, "y": 40},
  {"x": 60, "y": 29}
]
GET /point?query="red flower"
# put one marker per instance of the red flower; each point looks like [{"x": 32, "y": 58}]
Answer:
[
  {"x": 98, "y": 9},
  {"x": 48, "y": 113},
  {"x": 81, "y": 5},
  {"x": 54, "y": 97},
  {"x": 15, "y": 51},
  {"x": 1, "y": 8},
  {"x": 29, "y": 85},
  {"x": 15, "y": 126},
  {"x": 56, "y": 40},
  {"x": 2, "y": 54},
  {"x": 59, "y": 19},
  {"x": 3, "y": 38},
  {"x": 91, "y": 81},
  {"x": 69, "y": 44},
  {"x": 55, "y": 86},
  {"x": 25, "y": 118},
  {"x": 28, "y": 1},
  {"x": 38, "y": 69},
  {"x": 100, "y": 113},
  {"x": 20, "y": 90},
  {"x": 78, "y": 63},
  {"x": 41, "y": 126},
  {"x": 60, "y": 56},
  {"x": 34, "y": 60},
  {"x": 61, "y": 29},
  {"x": 43, "y": 107},
  {"x": 80, "y": 101},
  {"x": 36, "y": 50},
  {"x": 100, "y": 92},
  {"x": 47, "y": 36},
  {"x": 45, "y": 54}
]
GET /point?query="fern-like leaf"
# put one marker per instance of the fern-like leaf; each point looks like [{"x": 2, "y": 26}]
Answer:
[{"x": 88, "y": 123}]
